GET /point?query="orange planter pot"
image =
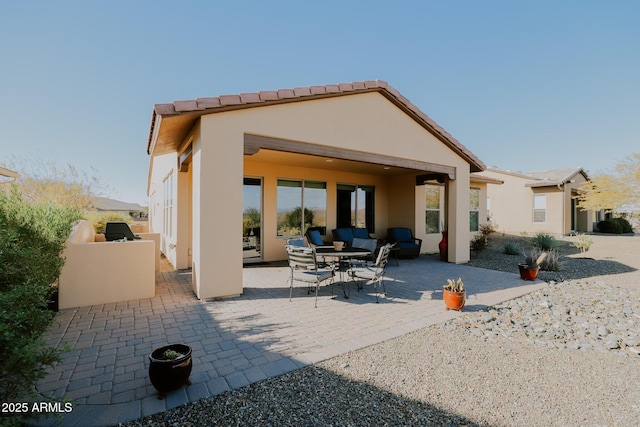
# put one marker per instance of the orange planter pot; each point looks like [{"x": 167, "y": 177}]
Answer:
[
  {"x": 454, "y": 300},
  {"x": 527, "y": 272}
]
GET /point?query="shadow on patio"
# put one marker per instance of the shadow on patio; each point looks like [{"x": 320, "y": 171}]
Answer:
[{"x": 243, "y": 340}]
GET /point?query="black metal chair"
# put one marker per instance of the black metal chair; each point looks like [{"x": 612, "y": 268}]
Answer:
[{"x": 116, "y": 230}]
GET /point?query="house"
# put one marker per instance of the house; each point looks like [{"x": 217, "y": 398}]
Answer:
[
  {"x": 104, "y": 204},
  {"x": 538, "y": 202},
  {"x": 271, "y": 164}
]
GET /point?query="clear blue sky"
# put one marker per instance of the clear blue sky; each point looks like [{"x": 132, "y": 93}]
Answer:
[{"x": 524, "y": 85}]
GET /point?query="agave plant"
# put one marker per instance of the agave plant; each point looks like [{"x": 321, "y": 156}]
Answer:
[{"x": 454, "y": 286}]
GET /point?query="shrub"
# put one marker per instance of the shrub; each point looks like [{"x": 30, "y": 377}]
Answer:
[
  {"x": 583, "y": 243},
  {"x": 543, "y": 241},
  {"x": 100, "y": 219},
  {"x": 479, "y": 242},
  {"x": 32, "y": 238},
  {"x": 487, "y": 228},
  {"x": 626, "y": 226},
  {"x": 550, "y": 263},
  {"x": 511, "y": 248},
  {"x": 610, "y": 226}
]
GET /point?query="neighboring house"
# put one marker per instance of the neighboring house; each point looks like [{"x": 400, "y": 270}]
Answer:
[
  {"x": 103, "y": 204},
  {"x": 6, "y": 173},
  {"x": 538, "y": 202},
  {"x": 269, "y": 164}
]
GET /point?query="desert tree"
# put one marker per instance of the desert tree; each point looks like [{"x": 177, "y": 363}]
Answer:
[{"x": 612, "y": 191}]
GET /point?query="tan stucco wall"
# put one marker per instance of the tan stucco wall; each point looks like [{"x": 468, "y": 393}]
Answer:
[
  {"x": 366, "y": 122},
  {"x": 105, "y": 272}
]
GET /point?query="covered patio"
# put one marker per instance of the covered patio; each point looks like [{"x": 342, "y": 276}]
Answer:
[{"x": 245, "y": 339}]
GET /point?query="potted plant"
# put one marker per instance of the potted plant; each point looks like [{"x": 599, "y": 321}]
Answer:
[
  {"x": 454, "y": 294},
  {"x": 529, "y": 269},
  {"x": 170, "y": 368}
]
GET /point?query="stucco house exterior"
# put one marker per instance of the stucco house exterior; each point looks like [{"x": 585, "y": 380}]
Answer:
[
  {"x": 538, "y": 202},
  {"x": 268, "y": 165}
]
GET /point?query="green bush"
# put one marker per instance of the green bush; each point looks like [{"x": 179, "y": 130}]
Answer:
[
  {"x": 32, "y": 238},
  {"x": 511, "y": 248},
  {"x": 479, "y": 242},
  {"x": 610, "y": 226},
  {"x": 100, "y": 219},
  {"x": 543, "y": 241},
  {"x": 626, "y": 226}
]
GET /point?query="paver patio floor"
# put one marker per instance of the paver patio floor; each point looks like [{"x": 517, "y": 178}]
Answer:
[{"x": 241, "y": 340}]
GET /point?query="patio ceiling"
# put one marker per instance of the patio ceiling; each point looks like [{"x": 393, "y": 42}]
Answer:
[
  {"x": 326, "y": 163},
  {"x": 303, "y": 154}
]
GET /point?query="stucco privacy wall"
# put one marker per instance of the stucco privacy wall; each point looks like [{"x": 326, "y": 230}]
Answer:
[{"x": 366, "y": 122}]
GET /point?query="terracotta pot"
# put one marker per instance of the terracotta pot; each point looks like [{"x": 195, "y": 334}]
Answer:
[
  {"x": 168, "y": 375},
  {"x": 454, "y": 300},
  {"x": 528, "y": 272},
  {"x": 443, "y": 246}
]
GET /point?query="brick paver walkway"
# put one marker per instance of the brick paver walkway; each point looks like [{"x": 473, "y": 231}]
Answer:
[{"x": 237, "y": 341}]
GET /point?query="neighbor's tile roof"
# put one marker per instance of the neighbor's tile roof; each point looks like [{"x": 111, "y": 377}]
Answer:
[
  {"x": 545, "y": 178},
  {"x": 554, "y": 176},
  {"x": 201, "y": 106}
]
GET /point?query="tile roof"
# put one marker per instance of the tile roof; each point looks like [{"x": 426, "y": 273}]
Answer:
[
  {"x": 546, "y": 178},
  {"x": 201, "y": 106}
]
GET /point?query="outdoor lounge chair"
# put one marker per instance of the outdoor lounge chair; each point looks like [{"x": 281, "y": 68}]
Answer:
[
  {"x": 304, "y": 268},
  {"x": 373, "y": 274},
  {"x": 314, "y": 238},
  {"x": 408, "y": 246}
]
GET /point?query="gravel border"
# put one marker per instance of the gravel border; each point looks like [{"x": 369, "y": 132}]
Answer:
[{"x": 561, "y": 356}]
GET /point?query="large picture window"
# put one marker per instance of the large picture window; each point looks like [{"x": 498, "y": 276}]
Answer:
[
  {"x": 474, "y": 209},
  {"x": 539, "y": 208},
  {"x": 356, "y": 206},
  {"x": 301, "y": 204},
  {"x": 432, "y": 208}
]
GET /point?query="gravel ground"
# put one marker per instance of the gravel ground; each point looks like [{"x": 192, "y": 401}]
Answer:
[{"x": 562, "y": 356}]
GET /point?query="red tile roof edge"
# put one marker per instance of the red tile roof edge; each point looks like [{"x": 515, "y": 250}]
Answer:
[{"x": 244, "y": 100}]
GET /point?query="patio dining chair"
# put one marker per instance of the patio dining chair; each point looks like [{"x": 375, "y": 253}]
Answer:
[
  {"x": 304, "y": 268},
  {"x": 373, "y": 274}
]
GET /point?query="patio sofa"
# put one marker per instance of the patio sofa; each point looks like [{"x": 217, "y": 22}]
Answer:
[
  {"x": 346, "y": 234},
  {"x": 100, "y": 272},
  {"x": 408, "y": 246}
]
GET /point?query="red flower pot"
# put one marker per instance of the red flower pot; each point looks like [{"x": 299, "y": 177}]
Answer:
[
  {"x": 454, "y": 300},
  {"x": 528, "y": 272}
]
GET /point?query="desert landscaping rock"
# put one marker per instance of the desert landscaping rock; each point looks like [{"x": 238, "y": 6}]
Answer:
[{"x": 566, "y": 355}]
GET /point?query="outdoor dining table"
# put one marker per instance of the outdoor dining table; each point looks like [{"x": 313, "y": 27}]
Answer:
[{"x": 344, "y": 254}]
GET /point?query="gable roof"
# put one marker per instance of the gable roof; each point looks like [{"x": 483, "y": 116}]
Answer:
[
  {"x": 545, "y": 178},
  {"x": 554, "y": 177},
  {"x": 171, "y": 122}
]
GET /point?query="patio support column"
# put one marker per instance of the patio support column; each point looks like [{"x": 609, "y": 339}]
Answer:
[{"x": 458, "y": 216}]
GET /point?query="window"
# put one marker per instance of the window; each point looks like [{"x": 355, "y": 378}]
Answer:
[
  {"x": 356, "y": 206},
  {"x": 300, "y": 204},
  {"x": 539, "y": 208},
  {"x": 432, "y": 208},
  {"x": 168, "y": 206},
  {"x": 474, "y": 209}
]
